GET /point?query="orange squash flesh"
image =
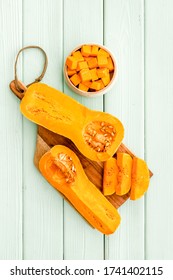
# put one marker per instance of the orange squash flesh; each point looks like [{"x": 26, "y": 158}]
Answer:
[
  {"x": 63, "y": 170},
  {"x": 124, "y": 163},
  {"x": 140, "y": 178},
  {"x": 110, "y": 176},
  {"x": 96, "y": 134}
]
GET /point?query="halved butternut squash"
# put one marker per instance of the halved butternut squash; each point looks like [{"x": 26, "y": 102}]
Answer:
[
  {"x": 63, "y": 170},
  {"x": 96, "y": 134}
]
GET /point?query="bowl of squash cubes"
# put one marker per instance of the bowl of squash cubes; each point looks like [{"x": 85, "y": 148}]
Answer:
[{"x": 90, "y": 70}]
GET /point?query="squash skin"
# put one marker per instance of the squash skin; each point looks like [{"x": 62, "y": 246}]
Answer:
[
  {"x": 62, "y": 114},
  {"x": 140, "y": 178},
  {"x": 82, "y": 194}
]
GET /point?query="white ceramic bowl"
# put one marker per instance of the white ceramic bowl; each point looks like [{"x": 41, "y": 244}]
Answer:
[{"x": 99, "y": 92}]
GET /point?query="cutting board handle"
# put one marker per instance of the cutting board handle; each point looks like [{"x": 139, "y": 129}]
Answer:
[{"x": 19, "y": 93}]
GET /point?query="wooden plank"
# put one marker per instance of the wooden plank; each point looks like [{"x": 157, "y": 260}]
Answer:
[
  {"x": 11, "y": 135},
  {"x": 159, "y": 128},
  {"x": 83, "y": 23},
  {"x": 123, "y": 34},
  {"x": 43, "y": 209}
]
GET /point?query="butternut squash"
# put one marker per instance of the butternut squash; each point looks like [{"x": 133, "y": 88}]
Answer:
[
  {"x": 97, "y": 135},
  {"x": 63, "y": 170},
  {"x": 140, "y": 178}
]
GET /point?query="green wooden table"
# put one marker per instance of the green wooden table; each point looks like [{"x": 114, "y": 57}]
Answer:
[{"x": 35, "y": 222}]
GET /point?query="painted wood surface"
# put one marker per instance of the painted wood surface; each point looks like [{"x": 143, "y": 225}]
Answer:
[
  {"x": 11, "y": 163},
  {"x": 35, "y": 222},
  {"x": 126, "y": 102},
  {"x": 82, "y": 24},
  {"x": 159, "y": 128},
  {"x": 42, "y": 209}
]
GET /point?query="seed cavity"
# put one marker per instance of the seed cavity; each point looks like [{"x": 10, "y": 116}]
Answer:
[
  {"x": 65, "y": 164},
  {"x": 99, "y": 135}
]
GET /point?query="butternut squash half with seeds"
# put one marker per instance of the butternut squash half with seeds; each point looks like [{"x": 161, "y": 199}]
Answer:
[
  {"x": 63, "y": 170},
  {"x": 96, "y": 134}
]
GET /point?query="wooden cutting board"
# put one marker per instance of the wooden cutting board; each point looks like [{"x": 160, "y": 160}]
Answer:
[{"x": 94, "y": 170}]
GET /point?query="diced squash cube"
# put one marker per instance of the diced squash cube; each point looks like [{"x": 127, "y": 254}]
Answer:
[
  {"x": 94, "y": 76},
  {"x": 94, "y": 50},
  {"x": 102, "y": 60},
  {"x": 106, "y": 80},
  {"x": 83, "y": 87},
  {"x": 102, "y": 72},
  {"x": 71, "y": 62},
  {"x": 92, "y": 63},
  {"x": 87, "y": 83},
  {"x": 87, "y": 58},
  {"x": 78, "y": 56},
  {"x": 110, "y": 65},
  {"x": 103, "y": 52},
  {"x": 95, "y": 85},
  {"x": 86, "y": 50},
  {"x": 75, "y": 79},
  {"x": 82, "y": 65},
  {"x": 101, "y": 84},
  {"x": 85, "y": 75},
  {"x": 70, "y": 72}
]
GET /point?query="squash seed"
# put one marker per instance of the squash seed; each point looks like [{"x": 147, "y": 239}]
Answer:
[
  {"x": 99, "y": 135},
  {"x": 65, "y": 163}
]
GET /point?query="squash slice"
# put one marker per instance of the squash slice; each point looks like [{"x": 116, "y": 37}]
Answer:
[
  {"x": 140, "y": 178},
  {"x": 124, "y": 163}
]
